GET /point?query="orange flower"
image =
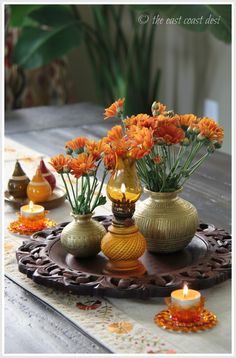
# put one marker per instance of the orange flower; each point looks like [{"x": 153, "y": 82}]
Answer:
[
  {"x": 60, "y": 163},
  {"x": 188, "y": 120},
  {"x": 76, "y": 144},
  {"x": 169, "y": 134},
  {"x": 115, "y": 134},
  {"x": 141, "y": 141},
  {"x": 141, "y": 120},
  {"x": 211, "y": 130},
  {"x": 116, "y": 141},
  {"x": 165, "y": 120},
  {"x": 115, "y": 109},
  {"x": 157, "y": 159},
  {"x": 83, "y": 164},
  {"x": 110, "y": 160},
  {"x": 94, "y": 148}
]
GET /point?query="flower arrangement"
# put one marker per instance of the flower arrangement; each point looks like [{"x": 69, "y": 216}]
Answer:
[
  {"x": 81, "y": 163},
  {"x": 168, "y": 147}
]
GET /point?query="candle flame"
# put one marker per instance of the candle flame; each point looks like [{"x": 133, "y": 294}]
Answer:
[
  {"x": 31, "y": 205},
  {"x": 123, "y": 188},
  {"x": 185, "y": 290}
]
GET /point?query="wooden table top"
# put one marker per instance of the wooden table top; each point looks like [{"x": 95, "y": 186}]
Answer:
[{"x": 46, "y": 129}]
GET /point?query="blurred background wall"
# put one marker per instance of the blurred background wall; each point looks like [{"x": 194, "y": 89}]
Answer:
[{"x": 195, "y": 67}]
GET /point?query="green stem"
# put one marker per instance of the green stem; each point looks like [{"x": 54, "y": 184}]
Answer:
[
  {"x": 99, "y": 192},
  {"x": 67, "y": 192},
  {"x": 73, "y": 192},
  {"x": 203, "y": 159}
]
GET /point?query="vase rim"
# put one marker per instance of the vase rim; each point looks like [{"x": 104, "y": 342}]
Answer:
[
  {"x": 163, "y": 192},
  {"x": 84, "y": 216}
]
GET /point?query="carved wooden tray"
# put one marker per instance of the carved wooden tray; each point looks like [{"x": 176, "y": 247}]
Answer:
[{"x": 205, "y": 262}]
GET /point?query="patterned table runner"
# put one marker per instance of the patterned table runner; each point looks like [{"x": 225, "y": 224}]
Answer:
[{"x": 123, "y": 325}]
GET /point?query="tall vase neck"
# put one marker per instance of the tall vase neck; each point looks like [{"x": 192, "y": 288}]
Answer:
[
  {"x": 82, "y": 218},
  {"x": 159, "y": 196}
]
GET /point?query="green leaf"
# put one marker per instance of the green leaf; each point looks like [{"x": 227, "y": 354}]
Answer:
[
  {"x": 101, "y": 201},
  {"x": 19, "y": 15},
  {"x": 37, "y": 47},
  {"x": 53, "y": 15}
]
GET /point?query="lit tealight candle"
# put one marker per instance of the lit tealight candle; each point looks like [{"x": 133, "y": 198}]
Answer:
[
  {"x": 185, "y": 297},
  {"x": 32, "y": 211}
]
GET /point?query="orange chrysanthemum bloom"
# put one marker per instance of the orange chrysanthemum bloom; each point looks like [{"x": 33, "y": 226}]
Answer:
[
  {"x": 116, "y": 141},
  {"x": 165, "y": 120},
  {"x": 157, "y": 159},
  {"x": 169, "y": 134},
  {"x": 60, "y": 163},
  {"x": 94, "y": 148},
  {"x": 141, "y": 141},
  {"x": 109, "y": 160},
  {"x": 83, "y": 164},
  {"x": 115, "y": 109},
  {"x": 141, "y": 120},
  {"x": 188, "y": 120},
  {"x": 76, "y": 144},
  {"x": 211, "y": 130},
  {"x": 115, "y": 134}
]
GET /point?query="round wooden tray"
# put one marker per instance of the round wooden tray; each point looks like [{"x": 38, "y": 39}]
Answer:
[
  {"x": 56, "y": 199},
  {"x": 205, "y": 262}
]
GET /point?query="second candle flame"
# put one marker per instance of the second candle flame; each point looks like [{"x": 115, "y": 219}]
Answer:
[{"x": 185, "y": 290}]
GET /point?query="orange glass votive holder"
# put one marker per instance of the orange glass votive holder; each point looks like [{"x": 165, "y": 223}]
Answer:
[{"x": 186, "y": 313}]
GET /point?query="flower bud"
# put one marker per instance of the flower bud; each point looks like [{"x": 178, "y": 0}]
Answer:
[
  {"x": 201, "y": 137},
  {"x": 190, "y": 130},
  {"x": 196, "y": 130},
  {"x": 185, "y": 142},
  {"x": 66, "y": 169},
  {"x": 155, "y": 106},
  {"x": 169, "y": 113},
  {"x": 217, "y": 145},
  {"x": 211, "y": 148},
  {"x": 155, "y": 113}
]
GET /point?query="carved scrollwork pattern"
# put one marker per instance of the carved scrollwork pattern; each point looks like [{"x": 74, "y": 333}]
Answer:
[{"x": 214, "y": 267}]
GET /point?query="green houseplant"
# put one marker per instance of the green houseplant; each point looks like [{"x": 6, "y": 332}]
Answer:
[{"x": 119, "y": 58}]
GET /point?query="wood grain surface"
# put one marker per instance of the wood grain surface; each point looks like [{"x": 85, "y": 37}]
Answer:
[
  {"x": 31, "y": 326},
  {"x": 46, "y": 129}
]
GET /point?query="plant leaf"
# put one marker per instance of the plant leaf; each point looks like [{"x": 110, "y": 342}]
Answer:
[
  {"x": 19, "y": 15},
  {"x": 37, "y": 47},
  {"x": 53, "y": 15}
]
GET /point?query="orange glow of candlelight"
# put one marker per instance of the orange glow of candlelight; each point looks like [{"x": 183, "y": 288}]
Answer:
[{"x": 185, "y": 290}]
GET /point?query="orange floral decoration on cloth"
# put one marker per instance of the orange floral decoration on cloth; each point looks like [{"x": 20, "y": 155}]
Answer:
[
  {"x": 83, "y": 164},
  {"x": 61, "y": 163},
  {"x": 115, "y": 109},
  {"x": 210, "y": 130}
]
